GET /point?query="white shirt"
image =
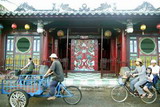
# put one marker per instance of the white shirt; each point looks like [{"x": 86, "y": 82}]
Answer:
[
  {"x": 155, "y": 69},
  {"x": 150, "y": 77}
]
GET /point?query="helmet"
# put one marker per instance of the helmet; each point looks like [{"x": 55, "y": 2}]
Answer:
[
  {"x": 153, "y": 61},
  {"x": 53, "y": 55},
  {"x": 139, "y": 60}
]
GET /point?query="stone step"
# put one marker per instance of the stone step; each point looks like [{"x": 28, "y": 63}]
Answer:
[{"x": 90, "y": 80}]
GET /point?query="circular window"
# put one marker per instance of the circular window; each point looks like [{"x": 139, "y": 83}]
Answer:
[
  {"x": 23, "y": 45},
  {"x": 147, "y": 45}
]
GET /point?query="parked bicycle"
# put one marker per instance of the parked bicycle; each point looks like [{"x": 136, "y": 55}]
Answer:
[{"x": 120, "y": 93}]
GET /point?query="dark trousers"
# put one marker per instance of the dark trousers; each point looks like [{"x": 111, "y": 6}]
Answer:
[
  {"x": 155, "y": 79},
  {"x": 28, "y": 72},
  {"x": 53, "y": 85}
]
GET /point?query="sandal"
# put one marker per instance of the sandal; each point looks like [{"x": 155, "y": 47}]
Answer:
[
  {"x": 143, "y": 95},
  {"x": 150, "y": 96}
]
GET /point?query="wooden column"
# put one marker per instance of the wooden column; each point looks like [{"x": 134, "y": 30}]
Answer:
[
  {"x": 67, "y": 59},
  {"x": 67, "y": 43},
  {"x": 45, "y": 48},
  {"x": 113, "y": 55},
  {"x": 101, "y": 62},
  {"x": 53, "y": 44},
  {"x": 123, "y": 49},
  {"x": 2, "y": 59},
  {"x": 1, "y": 49}
]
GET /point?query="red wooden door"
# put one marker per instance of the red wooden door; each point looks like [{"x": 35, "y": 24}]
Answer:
[{"x": 84, "y": 55}]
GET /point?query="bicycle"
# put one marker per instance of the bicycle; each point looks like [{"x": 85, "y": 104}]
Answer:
[
  {"x": 68, "y": 93},
  {"x": 120, "y": 92},
  {"x": 19, "y": 94},
  {"x": 10, "y": 75}
]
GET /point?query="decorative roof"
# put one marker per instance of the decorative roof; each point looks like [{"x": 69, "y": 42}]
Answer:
[
  {"x": 2, "y": 8},
  {"x": 25, "y": 7},
  {"x": 65, "y": 10},
  {"x": 145, "y": 7}
]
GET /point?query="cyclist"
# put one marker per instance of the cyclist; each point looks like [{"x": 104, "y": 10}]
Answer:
[
  {"x": 152, "y": 77},
  {"x": 141, "y": 78},
  {"x": 30, "y": 65},
  {"x": 155, "y": 70},
  {"x": 56, "y": 72}
]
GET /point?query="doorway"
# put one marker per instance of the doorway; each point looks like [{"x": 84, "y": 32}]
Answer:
[{"x": 84, "y": 55}]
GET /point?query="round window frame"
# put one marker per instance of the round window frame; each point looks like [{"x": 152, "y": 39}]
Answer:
[
  {"x": 28, "y": 48},
  {"x": 141, "y": 48}
]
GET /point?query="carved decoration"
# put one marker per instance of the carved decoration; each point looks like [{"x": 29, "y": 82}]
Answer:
[
  {"x": 84, "y": 8},
  {"x": 54, "y": 7},
  {"x": 103, "y": 6},
  {"x": 66, "y": 7},
  {"x": 145, "y": 6},
  {"x": 158, "y": 9},
  {"x": 2, "y": 8},
  {"x": 25, "y": 7}
]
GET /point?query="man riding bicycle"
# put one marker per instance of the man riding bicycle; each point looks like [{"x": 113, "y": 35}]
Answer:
[
  {"x": 155, "y": 70},
  {"x": 56, "y": 72}
]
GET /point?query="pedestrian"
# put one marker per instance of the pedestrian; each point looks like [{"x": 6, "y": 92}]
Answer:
[
  {"x": 30, "y": 65},
  {"x": 56, "y": 71},
  {"x": 140, "y": 78}
]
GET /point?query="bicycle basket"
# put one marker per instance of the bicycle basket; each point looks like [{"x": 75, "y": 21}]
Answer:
[{"x": 121, "y": 80}]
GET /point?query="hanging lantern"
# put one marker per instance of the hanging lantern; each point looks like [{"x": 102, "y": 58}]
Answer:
[
  {"x": 14, "y": 26},
  {"x": 26, "y": 26},
  {"x": 143, "y": 27},
  {"x": 40, "y": 26},
  {"x": 129, "y": 26},
  {"x": 108, "y": 33},
  {"x": 158, "y": 27},
  {"x": 60, "y": 33}
]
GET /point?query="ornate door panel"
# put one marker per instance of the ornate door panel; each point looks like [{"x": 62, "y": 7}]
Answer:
[{"x": 84, "y": 55}]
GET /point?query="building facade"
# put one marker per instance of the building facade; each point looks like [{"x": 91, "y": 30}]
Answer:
[{"x": 85, "y": 40}]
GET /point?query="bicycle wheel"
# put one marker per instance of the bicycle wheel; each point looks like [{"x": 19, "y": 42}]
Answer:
[
  {"x": 72, "y": 95},
  {"x": 158, "y": 91},
  {"x": 119, "y": 94},
  {"x": 152, "y": 99},
  {"x": 18, "y": 98}
]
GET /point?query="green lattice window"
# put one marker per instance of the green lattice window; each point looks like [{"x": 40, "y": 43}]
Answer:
[
  {"x": 147, "y": 46},
  {"x": 23, "y": 45}
]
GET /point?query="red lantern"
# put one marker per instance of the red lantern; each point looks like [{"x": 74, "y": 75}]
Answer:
[
  {"x": 14, "y": 26},
  {"x": 158, "y": 27}
]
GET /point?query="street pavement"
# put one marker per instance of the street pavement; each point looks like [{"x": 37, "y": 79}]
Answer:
[{"x": 91, "y": 98}]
